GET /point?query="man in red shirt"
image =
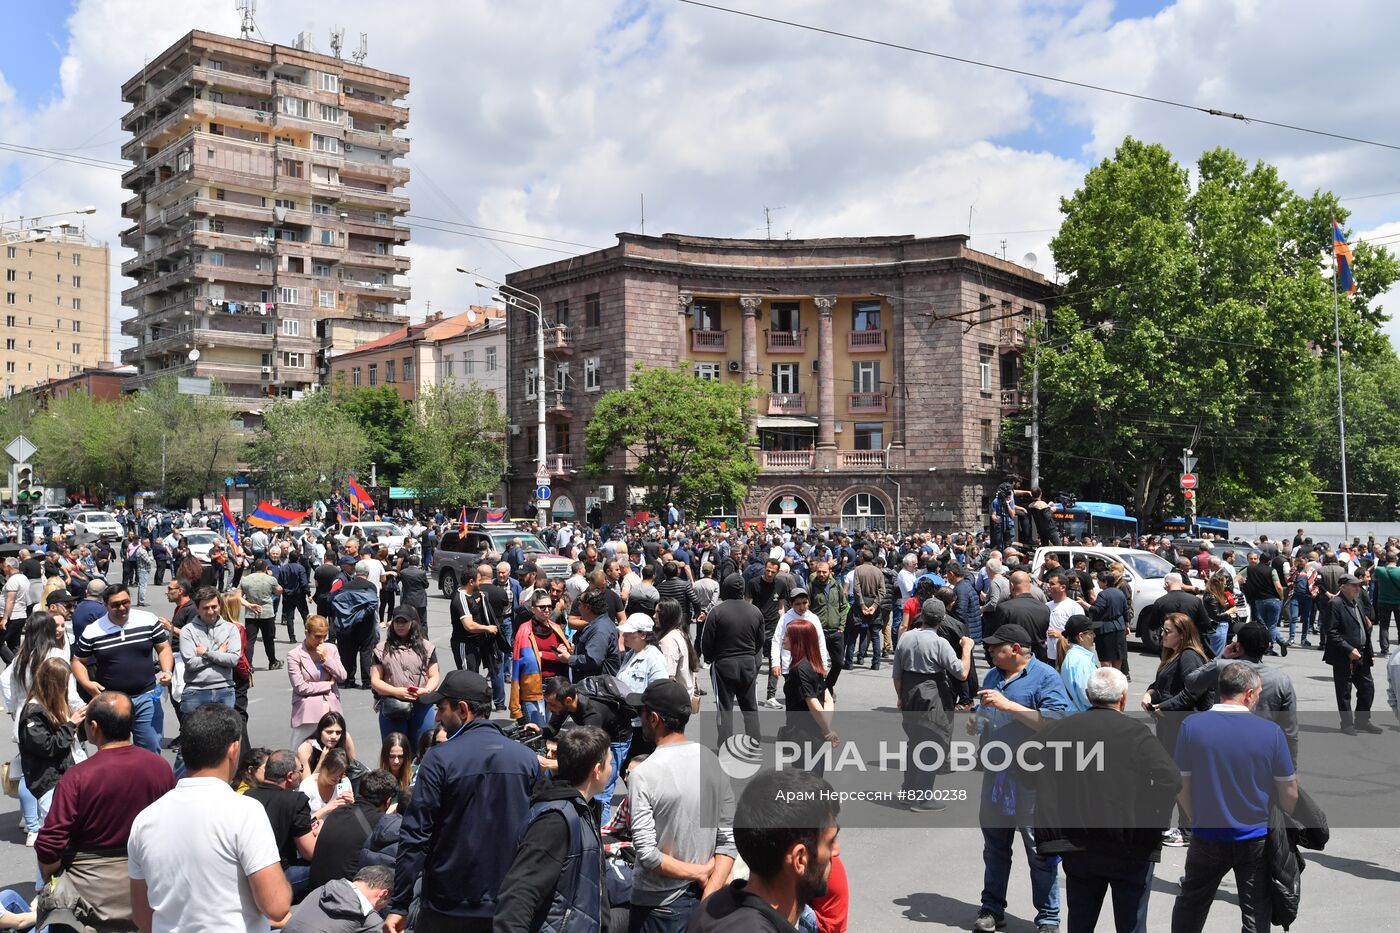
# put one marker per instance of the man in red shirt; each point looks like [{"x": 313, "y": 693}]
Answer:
[{"x": 93, "y": 808}]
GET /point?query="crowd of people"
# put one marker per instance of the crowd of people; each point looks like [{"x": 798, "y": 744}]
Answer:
[{"x": 467, "y": 820}]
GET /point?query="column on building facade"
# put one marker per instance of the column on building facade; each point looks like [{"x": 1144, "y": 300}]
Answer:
[
  {"x": 826, "y": 383},
  {"x": 750, "y": 305},
  {"x": 684, "y": 302},
  {"x": 897, "y": 391}
]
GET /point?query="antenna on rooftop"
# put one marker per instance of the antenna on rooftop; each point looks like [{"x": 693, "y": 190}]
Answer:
[
  {"x": 246, "y": 9},
  {"x": 363, "y": 51},
  {"x": 768, "y": 218},
  {"x": 305, "y": 42},
  {"x": 337, "y": 40}
]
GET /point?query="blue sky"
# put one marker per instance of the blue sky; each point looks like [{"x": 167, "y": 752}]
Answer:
[{"x": 31, "y": 47}]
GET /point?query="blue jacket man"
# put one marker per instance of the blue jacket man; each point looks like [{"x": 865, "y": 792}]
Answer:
[
  {"x": 968, "y": 607},
  {"x": 470, "y": 802}
]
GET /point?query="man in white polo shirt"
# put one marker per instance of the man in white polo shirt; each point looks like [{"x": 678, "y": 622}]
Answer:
[
  {"x": 781, "y": 657},
  {"x": 203, "y": 857}
]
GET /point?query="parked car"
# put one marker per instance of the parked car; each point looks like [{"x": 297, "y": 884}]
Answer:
[
  {"x": 102, "y": 524},
  {"x": 1143, "y": 570},
  {"x": 460, "y": 551},
  {"x": 201, "y": 540},
  {"x": 387, "y": 533}
]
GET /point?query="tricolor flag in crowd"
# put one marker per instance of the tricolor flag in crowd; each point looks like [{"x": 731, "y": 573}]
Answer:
[
  {"x": 230, "y": 526},
  {"x": 1341, "y": 250},
  {"x": 267, "y": 515},
  {"x": 358, "y": 495}
]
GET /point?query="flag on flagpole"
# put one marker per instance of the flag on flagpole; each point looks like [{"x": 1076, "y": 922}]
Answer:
[
  {"x": 462, "y": 519},
  {"x": 358, "y": 495},
  {"x": 1341, "y": 251},
  {"x": 230, "y": 526}
]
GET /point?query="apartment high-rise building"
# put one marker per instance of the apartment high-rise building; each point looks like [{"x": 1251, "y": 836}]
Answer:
[
  {"x": 265, "y": 203},
  {"x": 55, "y": 296},
  {"x": 883, "y": 367}
]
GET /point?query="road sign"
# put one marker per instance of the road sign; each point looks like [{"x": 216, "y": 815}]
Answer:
[
  {"x": 1188, "y": 464},
  {"x": 228, "y": 480},
  {"x": 1189, "y": 495},
  {"x": 20, "y": 449},
  {"x": 542, "y": 493},
  {"x": 1188, "y": 480}
]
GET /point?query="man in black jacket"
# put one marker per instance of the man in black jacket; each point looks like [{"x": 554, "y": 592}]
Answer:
[
  {"x": 1025, "y": 610},
  {"x": 413, "y": 590},
  {"x": 558, "y": 866},
  {"x": 1177, "y": 600},
  {"x": 1105, "y": 822},
  {"x": 474, "y": 787},
  {"x": 1348, "y": 649},
  {"x": 730, "y": 644}
]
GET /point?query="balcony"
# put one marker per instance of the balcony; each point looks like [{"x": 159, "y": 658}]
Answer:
[
  {"x": 787, "y": 341},
  {"x": 1012, "y": 338},
  {"x": 1012, "y": 399},
  {"x": 556, "y": 342},
  {"x": 865, "y": 341},
  {"x": 866, "y": 403},
  {"x": 561, "y": 464},
  {"x": 559, "y": 403},
  {"x": 708, "y": 341},
  {"x": 787, "y": 459},
  {"x": 787, "y": 403},
  {"x": 862, "y": 459}
]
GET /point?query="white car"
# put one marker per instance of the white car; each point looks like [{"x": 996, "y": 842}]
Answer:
[
  {"x": 102, "y": 524},
  {"x": 1143, "y": 570},
  {"x": 201, "y": 540},
  {"x": 387, "y": 533}
]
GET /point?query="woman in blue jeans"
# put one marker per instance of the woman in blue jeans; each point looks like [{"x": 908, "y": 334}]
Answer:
[{"x": 405, "y": 666}]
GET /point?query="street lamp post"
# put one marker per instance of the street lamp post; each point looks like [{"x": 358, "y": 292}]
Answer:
[{"x": 522, "y": 300}]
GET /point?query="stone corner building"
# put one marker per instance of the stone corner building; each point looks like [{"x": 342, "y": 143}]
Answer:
[{"x": 885, "y": 365}]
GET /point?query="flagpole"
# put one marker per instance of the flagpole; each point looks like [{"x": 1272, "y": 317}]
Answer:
[{"x": 1341, "y": 411}]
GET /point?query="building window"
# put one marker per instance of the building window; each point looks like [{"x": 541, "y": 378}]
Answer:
[
  {"x": 591, "y": 380},
  {"x": 561, "y": 377},
  {"x": 9, "y": 300},
  {"x": 77, "y": 306},
  {"x": 380, "y": 217},
  {"x": 593, "y": 310},
  {"x": 389, "y": 374},
  {"x": 330, "y": 82},
  {"x": 294, "y": 360},
  {"x": 707, "y": 371},
  {"x": 295, "y": 107},
  {"x": 408, "y": 369},
  {"x": 561, "y": 438},
  {"x": 77, "y": 259},
  {"x": 785, "y": 378},
  {"x": 865, "y": 376},
  {"x": 988, "y": 437},
  {"x": 77, "y": 325},
  {"x": 864, "y": 512},
  {"x": 285, "y": 204},
  {"x": 561, "y": 313},
  {"x": 326, "y": 299},
  {"x": 984, "y": 368},
  {"x": 9, "y": 366},
  {"x": 374, "y": 374},
  {"x": 330, "y": 114},
  {"x": 325, "y": 143},
  {"x": 77, "y": 349},
  {"x": 9, "y": 320},
  {"x": 288, "y": 296},
  {"x": 869, "y": 435},
  {"x": 10, "y": 275},
  {"x": 318, "y": 208},
  {"x": 468, "y": 363},
  {"x": 289, "y": 168},
  {"x": 325, "y": 174},
  {"x": 355, "y": 376},
  {"x": 327, "y": 237},
  {"x": 707, "y": 316},
  {"x": 9, "y": 343},
  {"x": 10, "y": 252},
  {"x": 785, "y": 316},
  {"x": 291, "y": 328},
  {"x": 321, "y": 271},
  {"x": 490, "y": 359},
  {"x": 77, "y": 281},
  {"x": 530, "y": 382},
  {"x": 865, "y": 315}
]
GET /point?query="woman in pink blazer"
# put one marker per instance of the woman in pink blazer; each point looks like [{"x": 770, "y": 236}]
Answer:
[{"x": 315, "y": 671}]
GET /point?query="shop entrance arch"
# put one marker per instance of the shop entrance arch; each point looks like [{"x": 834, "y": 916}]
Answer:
[{"x": 789, "y": 510}]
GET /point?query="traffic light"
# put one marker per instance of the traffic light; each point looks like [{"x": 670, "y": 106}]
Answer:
[{"x": 24, "y": 486}]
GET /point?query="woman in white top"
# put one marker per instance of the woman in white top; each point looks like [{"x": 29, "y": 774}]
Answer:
[
  {"x": 676, "y": 648},
  {"x": 643, "y": 663},
  {"x": 329, "y": 788}
]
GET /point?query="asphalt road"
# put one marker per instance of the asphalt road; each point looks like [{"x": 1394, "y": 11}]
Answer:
[{"x": 924, "y": 878}]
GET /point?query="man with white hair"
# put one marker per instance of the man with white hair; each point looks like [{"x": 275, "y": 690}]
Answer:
[
  {"x": 908, "y": 577},
  {"x": 1177, "y": 599},
  {"x": 1106, "y": 822}
]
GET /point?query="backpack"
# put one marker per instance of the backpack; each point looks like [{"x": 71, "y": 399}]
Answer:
[
  {"x": 608, "y": 689},
  {"x": 350, "y": 605}
]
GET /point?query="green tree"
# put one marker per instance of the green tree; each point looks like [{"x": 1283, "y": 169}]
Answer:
[
  {"x": 385, "y": 417},
  {"x": 685, "y": 439},
  {"x": 188, "y": 443},
  {"x": 1191, "y": 318},
  {"x": 88, "y": 443},
  {"x": 307, "y": 446},
  {"x": 457, "y": 442},
  {"x": 15, "y": 415}
]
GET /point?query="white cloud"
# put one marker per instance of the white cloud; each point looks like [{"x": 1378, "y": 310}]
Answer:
[{"x": 552, "y": 118}]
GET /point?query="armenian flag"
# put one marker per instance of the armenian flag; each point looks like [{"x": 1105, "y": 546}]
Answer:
[
  {"x": 230, "y": 526},
  {"x": 358, "y": 494},
  {"x": 267, "y": 515},
  {"x": 462, "y": 519},
  {"x": 1341, "y": 250}
]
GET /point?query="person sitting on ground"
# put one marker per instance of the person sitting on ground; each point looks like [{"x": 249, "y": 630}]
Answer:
[
  {"x": 345, "y": 906},
  {"x": 329, "y": 788},
  {"x": 346, "y": 829}
]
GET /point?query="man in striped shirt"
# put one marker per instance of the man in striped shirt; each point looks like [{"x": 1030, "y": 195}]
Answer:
[{"x": 115, "y": 653}]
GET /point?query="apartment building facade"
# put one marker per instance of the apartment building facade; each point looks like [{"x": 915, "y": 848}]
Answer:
[
  {"x": 265, "y": 201},
  {"x": 883, "y": 367},
  {"x": 55, "y": 297},
  {"x": 416, "y": 357}
]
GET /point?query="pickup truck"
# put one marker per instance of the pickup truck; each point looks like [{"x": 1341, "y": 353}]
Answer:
[{"x": 462, "y": 549}]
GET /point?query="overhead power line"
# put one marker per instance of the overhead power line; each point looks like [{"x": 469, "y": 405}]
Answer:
[{"x": 1054, "y": 79}]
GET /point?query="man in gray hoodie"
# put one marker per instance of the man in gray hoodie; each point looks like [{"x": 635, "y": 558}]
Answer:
[
  {"x": 341, "y": 906},
  {"x": 209, "y": 648}
]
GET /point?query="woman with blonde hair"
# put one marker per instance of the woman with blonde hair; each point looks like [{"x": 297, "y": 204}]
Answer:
[{"x": 315, "y": 670}]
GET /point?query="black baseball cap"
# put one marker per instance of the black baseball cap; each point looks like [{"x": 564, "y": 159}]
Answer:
[
  {"x": 1078, "y": 625},
  {"x": 1008, "y": 634},
  {"x": 459, "y": 685},
  {"x": 348, "y": 560},
  {"x": 662, "y": 696},
  {"x": 60, "y": 595}
]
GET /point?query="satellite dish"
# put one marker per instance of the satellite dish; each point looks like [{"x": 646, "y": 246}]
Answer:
[
  {"x": 194, "y": 356},
  {"x": 471, "y": 316},
  {"x": 1029, "y": 260}
]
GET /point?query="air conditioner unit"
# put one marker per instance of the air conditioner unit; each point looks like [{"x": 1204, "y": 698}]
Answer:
[
  {"x": 515, "y": 430},
  {"x": 735, "y": 366},
  {"x": 349, "y": 147},
  {"x": 816, "y": 365},
  {"x": 605, "y": 493},
  {"x": 347, "y": 89},
  {"x": 267, "y": 370}
]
